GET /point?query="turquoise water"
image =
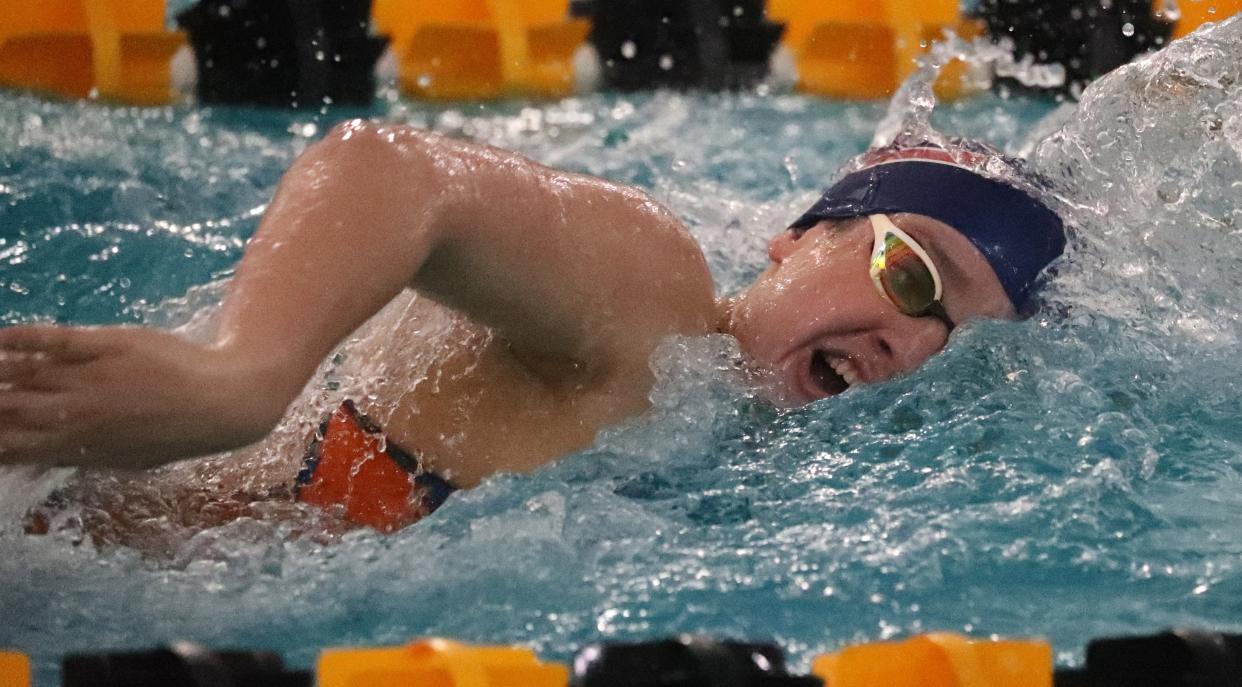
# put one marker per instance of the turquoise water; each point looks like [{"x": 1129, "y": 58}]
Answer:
[{"x": 1070, "y": 476}]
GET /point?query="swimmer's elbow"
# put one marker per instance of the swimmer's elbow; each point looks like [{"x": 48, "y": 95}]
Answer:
[
  {"x": 362, "y": 152},
  {"x": 391, "y": 179},
  {"x": 361, "y": 133}
]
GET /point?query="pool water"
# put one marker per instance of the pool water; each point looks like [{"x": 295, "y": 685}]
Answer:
[{"x": 1073, "y": 475}]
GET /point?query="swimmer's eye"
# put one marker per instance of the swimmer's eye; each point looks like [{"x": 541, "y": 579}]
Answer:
[{"x": 904, "y": 273}]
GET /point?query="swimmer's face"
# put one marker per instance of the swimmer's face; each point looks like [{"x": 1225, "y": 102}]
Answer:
[{"x": 815, "y": 323}]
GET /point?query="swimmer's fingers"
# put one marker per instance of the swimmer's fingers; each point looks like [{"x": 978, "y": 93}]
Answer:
[
  {"x": 66, "y": 344},
  {"x": 38, "y": 429},
  {"x": 35, "y": 428},
  {"x": 27, "y": 447},
  {"x": 45, "y": 358},
  {"x": 30, "y": 371},
  {"x": 125, "y": 397},
  {"x": 31, "y": 410}
]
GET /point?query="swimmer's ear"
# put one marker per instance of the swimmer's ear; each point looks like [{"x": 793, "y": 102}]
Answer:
[{"x": 782, "y": 245}]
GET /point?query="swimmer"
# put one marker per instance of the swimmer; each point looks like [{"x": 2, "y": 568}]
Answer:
[{"x": 565, "y": 284}]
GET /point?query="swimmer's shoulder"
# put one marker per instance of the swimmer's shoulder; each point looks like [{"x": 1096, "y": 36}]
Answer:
[
  {"x": 667, "y": 288},
  {"x": 631, "y": 264},
  {"x": 575, "y": 271}
]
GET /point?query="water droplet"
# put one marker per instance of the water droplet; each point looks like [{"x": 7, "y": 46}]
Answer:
[
  {"x": 424, "y": 80},
  {"x": 1127, "y": 29},
  {"x": 629, "y": 50},
  {"x": 1170, "y": 11},
  {"x": 320, "y": 56}
]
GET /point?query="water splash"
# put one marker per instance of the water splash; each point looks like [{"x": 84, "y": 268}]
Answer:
[
  {"x": 1152, "y": 165},
  {"x": 910, "y": 109},
  {"x": 1073, "y": 475}
]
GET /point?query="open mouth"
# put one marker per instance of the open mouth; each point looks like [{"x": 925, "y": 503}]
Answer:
[{"x": 832, "y": 375}]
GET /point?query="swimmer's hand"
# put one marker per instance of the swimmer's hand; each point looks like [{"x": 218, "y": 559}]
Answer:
[{"x": 124, "y": 397}]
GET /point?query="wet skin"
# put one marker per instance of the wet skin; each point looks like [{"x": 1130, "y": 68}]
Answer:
[
  {"x": 559, "y": 287},
  {"x": 815, "y": 320}
]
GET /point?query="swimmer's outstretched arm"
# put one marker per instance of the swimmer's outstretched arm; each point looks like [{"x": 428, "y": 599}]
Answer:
[{"x": 581, "y": 276}]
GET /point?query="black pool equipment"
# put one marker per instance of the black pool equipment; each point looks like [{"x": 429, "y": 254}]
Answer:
[
  {"x": 686, "y": 661},
  {"x": 284, "y": 53},
  {"x": 1089, "y": 37},
  {"x": 181, "y": 665},
  {"x": 713, "y": 44},
  {"x": 1179, "y": 658}
]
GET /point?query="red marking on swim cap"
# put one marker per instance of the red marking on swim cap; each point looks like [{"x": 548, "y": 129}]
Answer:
[{"x": 964, "y": 159}]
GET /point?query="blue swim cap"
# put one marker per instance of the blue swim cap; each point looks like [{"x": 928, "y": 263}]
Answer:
[{"x": 964, "y": 186}]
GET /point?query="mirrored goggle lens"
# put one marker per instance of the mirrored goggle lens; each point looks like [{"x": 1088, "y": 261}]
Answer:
[{"x": 905, "y": 278}]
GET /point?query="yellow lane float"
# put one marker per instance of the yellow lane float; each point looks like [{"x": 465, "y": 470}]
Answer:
[
  {"x": 14, "y": 669},
  {"x": 455, "y": 49},
  {"x": 938, "y": 659},
  {"x": 1196, "y": 13},
  {"x": 115, "y": 49},
  {"x": 866, "y": 48},
  {"x": 437, "y": 663}
]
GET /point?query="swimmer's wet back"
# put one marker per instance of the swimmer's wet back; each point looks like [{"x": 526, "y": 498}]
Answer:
[{"x": 379, "y": 484}]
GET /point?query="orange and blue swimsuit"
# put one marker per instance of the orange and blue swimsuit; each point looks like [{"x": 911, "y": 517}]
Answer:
[{"x": 379, "y": 484}]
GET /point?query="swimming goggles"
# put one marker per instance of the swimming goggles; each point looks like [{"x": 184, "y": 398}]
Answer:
[{"x": 904, "y": 273}]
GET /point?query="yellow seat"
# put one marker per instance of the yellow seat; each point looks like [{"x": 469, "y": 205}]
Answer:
[
  {"x": 437, "y": 663},
  {"x": 116, "y": 49},
  {"x": 866, "y": 48},
  {"x": 452, "y": 49},
  {"x": 938, "y": 660},
  {"x": 1196, "y": 13}
]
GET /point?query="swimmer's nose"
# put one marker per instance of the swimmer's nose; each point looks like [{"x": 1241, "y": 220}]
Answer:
[
  {"x": 903, "y": 343},
  {"x": 782, "y": 246}
]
